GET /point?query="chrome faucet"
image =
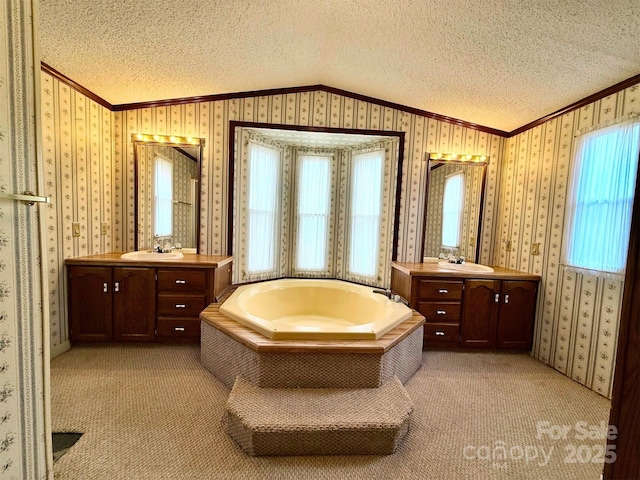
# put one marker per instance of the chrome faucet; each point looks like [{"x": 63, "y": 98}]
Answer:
[
  {"x": 387, "y": 293},
  {"x": 391, "y": 296}
]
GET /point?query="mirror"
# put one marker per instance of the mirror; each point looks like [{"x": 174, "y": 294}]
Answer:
[
  {"x": 167, "y": 191},
  {"x": 453, "y": 210}
]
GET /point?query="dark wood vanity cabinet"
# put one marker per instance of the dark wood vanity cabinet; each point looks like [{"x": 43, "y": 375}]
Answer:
[
  {"x": 91, "y": 304},
  {"x": 111, "y": 304},
  {"x": 440, "y": 302},
  {"x": 461, "y": 310},
  {"x": 182, "y": 295},
  {"x": 141, "y": 303},
  {"x": 498, "y": 313}
]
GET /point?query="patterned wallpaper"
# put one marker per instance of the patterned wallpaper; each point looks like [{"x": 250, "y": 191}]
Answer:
[
  {"x": 577, "y": 319},
  {"x": 78, "y": 168},
  {"x": 210, "y": 120},
  {"x": 470, "y": 214},
  {"x": 24, "y": 396}
]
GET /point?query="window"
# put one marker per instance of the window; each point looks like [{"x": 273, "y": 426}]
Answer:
[
  {"x": 262, "y": 229},
  {"x": 313, "y": 191},
  {"x": 601, "y": 198},
  {"x": 163, "y": 197},
  {"x": 366, "y": 212},
  {"x": 452, "y": 203}
]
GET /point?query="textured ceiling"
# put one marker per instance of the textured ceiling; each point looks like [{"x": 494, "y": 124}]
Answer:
[{"x": 497, "y": 63}]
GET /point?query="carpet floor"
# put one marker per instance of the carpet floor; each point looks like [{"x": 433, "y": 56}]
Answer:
[{"x": 153, "y": 412}]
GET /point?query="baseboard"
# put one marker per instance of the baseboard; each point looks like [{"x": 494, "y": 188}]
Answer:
[{"x": 60, "y": 349}]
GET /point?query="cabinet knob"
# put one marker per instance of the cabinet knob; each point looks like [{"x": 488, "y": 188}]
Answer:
[
  {"x": 496, "y": 298},
  {"x": 439, "y": 333},
  {"x": 441, "y": 312},
  {"x": 181, "y": 282},
  {"x": 506, "y": 298},
  {"x": 116, "y": 287},
  {"x": 443, "y": 290},
  {"x": 179, "y": 329},
  {"x": 181, "y": 305},
  {"x": 105, "y": 287}
]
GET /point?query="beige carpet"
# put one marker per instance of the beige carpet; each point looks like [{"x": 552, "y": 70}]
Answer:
[{"x": 153, "y": 412}]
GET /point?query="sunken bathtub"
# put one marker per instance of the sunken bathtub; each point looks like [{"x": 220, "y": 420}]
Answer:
[
  {"x": 310, "y": 333},
  {"x": 304, "y": 309}
]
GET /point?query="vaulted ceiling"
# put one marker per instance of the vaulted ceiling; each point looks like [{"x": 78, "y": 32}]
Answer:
[{"x": 496, "y": 63}]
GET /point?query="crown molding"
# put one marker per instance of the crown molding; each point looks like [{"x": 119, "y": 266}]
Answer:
[
  {"x": 76, "y": 86},
  {"x": 332, "y": 90},
  {"x": 579, "y": 104}
]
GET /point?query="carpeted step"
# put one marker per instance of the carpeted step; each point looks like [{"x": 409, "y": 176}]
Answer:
[{"x": 318, "y": 421}]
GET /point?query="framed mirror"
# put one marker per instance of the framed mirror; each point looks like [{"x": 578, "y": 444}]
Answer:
[
  {"x": 453, "y": 208},
  {"x": 167, "y": 191}
]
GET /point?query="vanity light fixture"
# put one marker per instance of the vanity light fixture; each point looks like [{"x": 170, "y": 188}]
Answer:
[
  {"x": 166, "y": 139},
  {"x": 459, "y": 158}
]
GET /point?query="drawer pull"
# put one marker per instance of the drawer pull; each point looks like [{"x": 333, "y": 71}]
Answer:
[
  {"x": 443, "y": 290},
  {"x": 441, "y": 312},
  {"x": 181, "y": 282},
  {"x": 179, "y": 329},
  {"x": 439, "y": 333},
  {"x": 181, "y": 305}
]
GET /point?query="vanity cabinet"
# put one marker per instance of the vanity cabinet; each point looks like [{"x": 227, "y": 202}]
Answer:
[
  {"x": 490, "y": 310},
  {"x": 182, "y": 295},
  {"x": 440, "y": 302},
  {"x": 498, "y": 313},
  {"x": 111, "y": 300},
  {"x": 112, "y": 304}
]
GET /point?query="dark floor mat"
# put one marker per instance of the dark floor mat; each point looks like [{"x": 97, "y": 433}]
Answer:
[{"x": 62, "y": 442}]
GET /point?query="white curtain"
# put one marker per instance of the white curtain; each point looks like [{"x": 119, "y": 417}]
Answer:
[
  {"x": 601, "y": 198},
  {"x": 452, "y": 204},
  {"x": 163, "y": 194},
  {"x": 313, "y": 205},
  {"x": 263, "y": 200},
  {"x": 365, "y": 213}
]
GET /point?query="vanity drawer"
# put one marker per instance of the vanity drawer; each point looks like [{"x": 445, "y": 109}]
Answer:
[
  {"x": 440, "y": 312},
  {"x": 440, "y": 291},
  {"x": 176, "y": 280},
  {"x": 178, "y": 327},
  {"x": 441, "y": 334},
  {"x": 181, "y": 305}
]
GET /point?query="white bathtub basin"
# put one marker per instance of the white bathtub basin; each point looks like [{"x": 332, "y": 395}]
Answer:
[
  {"x": 464, "y": 267},
  {"x": 305, "y": 309},
  {"x": 141, "y": 255}
]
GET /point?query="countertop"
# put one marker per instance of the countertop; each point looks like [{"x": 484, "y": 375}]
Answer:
[
  {"x": 433, "y": 270},
  {"x": 191, "y": 260}
]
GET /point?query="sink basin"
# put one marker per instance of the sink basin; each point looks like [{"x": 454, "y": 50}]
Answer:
[
  {"x": 145, "y": 255},
  {"x": 464, "y": 267}
]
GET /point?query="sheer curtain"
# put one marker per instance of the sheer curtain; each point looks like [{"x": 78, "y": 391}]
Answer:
[
  {"x": 601, "y": 198},
  {"x": 263, "y": 199},
  {"x": 365, "y": 213},
  {"x": 163, "y": 195},
  {"x": 313, "y": 204},
  {"x": 452, "y": 203}
]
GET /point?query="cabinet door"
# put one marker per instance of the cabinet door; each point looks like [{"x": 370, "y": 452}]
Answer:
[
  {"x": 517, "y": 314},
  {"x": 134, "y": 304},
  {"x": 90, "y": 300},
  {"x": 479, "y": 313}
]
